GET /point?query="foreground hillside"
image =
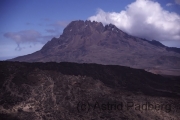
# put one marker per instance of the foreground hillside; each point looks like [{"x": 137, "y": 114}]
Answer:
[{"x": 71, "y": 91}]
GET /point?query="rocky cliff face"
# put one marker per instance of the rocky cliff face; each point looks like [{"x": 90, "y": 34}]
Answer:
[
  {"x": 91, "y": 42},
  {"x": 69, "y": 91}
]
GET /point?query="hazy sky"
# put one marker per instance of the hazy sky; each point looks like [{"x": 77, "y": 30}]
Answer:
[{"x": 26, "y": 25}]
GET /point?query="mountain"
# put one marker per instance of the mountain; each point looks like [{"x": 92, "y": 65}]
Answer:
[
  {"x": 92, "y": 42},
  {"x": 71, "y": 91}
]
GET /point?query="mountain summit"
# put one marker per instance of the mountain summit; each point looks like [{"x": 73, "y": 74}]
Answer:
[{"x": 92, "y": 42}]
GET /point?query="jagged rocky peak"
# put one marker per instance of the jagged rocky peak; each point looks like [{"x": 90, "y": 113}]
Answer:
[
  {"x": 79, "y": 26},
  {"x": 73, "y": 29},
  {"x": 110, "y": 26}
]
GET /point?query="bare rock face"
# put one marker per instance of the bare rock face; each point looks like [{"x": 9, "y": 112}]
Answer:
[
  {"x": 71, "y": 91},
  {"x": 91, "y": 42}
]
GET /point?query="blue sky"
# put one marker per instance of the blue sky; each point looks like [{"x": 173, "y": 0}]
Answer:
[{"x": 26, "y": 25}]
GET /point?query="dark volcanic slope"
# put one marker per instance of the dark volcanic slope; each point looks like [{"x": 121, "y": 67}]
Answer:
[
  {"x": 91, "y": 42},
  {"x": 57, "y": 91}
]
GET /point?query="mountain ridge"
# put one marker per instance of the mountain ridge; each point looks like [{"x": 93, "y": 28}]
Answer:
[{"x": 92, "y": 42}]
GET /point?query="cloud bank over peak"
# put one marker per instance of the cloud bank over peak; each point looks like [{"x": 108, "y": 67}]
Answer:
[{"x": 145, "y": 19}]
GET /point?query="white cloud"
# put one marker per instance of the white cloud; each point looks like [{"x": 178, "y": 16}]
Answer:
[
  {"x": 143, "y": 18},
  {"x": 25, "y": 36},
  {"x": 169, "y": 4},
  {"x": 177, "y": 2}
]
